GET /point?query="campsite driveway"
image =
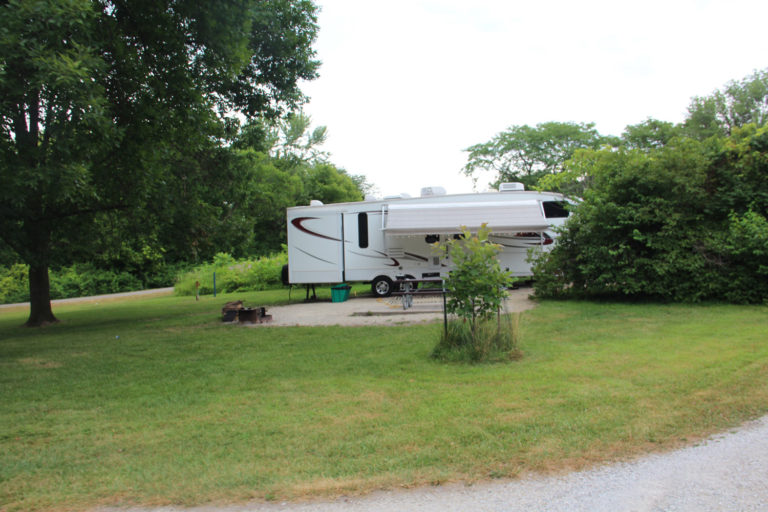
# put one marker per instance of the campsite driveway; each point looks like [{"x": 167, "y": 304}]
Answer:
[{"x": 372, "y": 311}]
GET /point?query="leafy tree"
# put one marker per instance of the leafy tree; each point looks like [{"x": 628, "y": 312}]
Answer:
[
  {"x": 296, "y": 148},
  {"x": 741, "y": 102},
  {"x": 293, "y": 139},
  {"x": 273, "y": 173},
  {"x": 267, "y": 190},
  {"x": 98, "y": 100},
  {"x": 526, "y": 154},
  {"x": 256, "y": 134},
  {"x": 576, "y": 174},
  {"x": 476, "y": 289},
  {"x": 7, "y": 255},
  {"x": 330, "y": 185},
  {"x": 649, "y": 134}
]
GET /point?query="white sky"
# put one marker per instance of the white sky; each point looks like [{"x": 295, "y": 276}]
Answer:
[{"x": 407, "y": 85}]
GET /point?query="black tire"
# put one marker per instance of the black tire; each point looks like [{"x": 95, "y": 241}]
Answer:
[{"x": 382, "y": 286}]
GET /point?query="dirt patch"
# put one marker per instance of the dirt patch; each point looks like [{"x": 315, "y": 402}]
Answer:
[{"x": 39, "y": 363}]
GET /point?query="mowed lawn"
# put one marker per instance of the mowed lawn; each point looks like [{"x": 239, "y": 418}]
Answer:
[{"x": 155, "y": 401}]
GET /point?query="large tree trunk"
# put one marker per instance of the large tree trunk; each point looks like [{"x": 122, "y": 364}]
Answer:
[{"x": 40, "y": 312}]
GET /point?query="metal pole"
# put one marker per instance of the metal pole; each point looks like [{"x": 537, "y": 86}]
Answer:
[{"x": 445, "y": 312}]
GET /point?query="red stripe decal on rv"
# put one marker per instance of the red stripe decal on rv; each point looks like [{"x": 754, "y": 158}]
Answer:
[
  {"x": 394, "y": 263},
  {"x": 298, "y": 224},
  {"x": 416, "y": 256}
]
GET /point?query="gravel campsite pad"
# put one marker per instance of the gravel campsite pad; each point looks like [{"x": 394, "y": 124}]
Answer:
[{"x": 372, "y": 311}]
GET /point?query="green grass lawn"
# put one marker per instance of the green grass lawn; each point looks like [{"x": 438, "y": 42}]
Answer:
[{"x": 184, "y": 409}]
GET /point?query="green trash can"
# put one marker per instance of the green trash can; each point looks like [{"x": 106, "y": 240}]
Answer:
[{"x": 340, "y": 292}]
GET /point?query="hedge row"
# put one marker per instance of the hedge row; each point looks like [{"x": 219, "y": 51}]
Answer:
[
  {"x": 83, "y": 280},
  {"x": 75, "y": 281}
]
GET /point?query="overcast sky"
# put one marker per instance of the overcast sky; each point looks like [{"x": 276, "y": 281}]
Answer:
[{"x": 406, "y": 85}]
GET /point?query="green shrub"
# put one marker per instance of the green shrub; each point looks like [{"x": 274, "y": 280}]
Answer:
[
  {"x": 79, "y": 280},
  {"x": 161, "y": 275},
  {"x": 745, "y": 249},
  {"x": 477, "y": 284},
  {"x": 83, "y": 280},
  {"x": 233, "y": 275},
  {"x": 476, "y": 289},
  {"x": 14, "y": 284},
  {"x": 494, "y": 339}
]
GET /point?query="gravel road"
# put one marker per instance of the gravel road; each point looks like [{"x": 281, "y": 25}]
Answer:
[
  {"x": 97, "y": 298},
  {"x": 728, "y": 472}
]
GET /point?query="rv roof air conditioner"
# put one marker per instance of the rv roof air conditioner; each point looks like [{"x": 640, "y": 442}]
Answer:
[
  {"x": 511, "y": 187},
  {"x": 432, "y": 191},
  {"x": 315, "y": 202}
]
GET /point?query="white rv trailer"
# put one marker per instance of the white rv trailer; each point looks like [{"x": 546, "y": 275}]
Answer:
[{"x": 378, "y": 241}]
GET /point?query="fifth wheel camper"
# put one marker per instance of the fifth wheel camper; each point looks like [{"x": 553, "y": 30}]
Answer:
[{"x": 379, "y": 241}]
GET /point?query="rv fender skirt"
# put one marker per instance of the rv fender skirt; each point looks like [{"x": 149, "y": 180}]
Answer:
[
  {"x": 284, "y": 275},
  {"x": 381, "y": 286}
]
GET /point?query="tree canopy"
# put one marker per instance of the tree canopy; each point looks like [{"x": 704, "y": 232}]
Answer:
[
  {"x": 536, "y": 156},
  {"x": 525, "y": 154},
  {"x": 739, "y": 103},
  {"x": 110, "y": 107}
]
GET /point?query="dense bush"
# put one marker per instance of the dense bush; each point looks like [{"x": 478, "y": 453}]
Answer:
[
  {"x": 78, "y": 280},
  {"x": 161, "y": 276},
  {"x": 86, "y": 279},
  {"x": 745, "y": 248},
  {"x": 233, "y": 275},
  {"x": 683, "y": 222},
  {"x": 83, "y": 280},
  {"x": 14, "y": 284}
]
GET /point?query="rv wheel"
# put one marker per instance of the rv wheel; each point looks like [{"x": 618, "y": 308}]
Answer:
[{"x": 381, "y": 286}]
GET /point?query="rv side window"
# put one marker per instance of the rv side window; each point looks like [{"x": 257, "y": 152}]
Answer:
[
  {"x": 362, "y": 230},
  {"x": 555, "y": 209}
]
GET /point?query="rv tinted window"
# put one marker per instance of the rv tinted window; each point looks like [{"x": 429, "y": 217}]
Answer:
[
  {"x": 555, "y": 209},
  {"x": 362, "y": 230}
]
